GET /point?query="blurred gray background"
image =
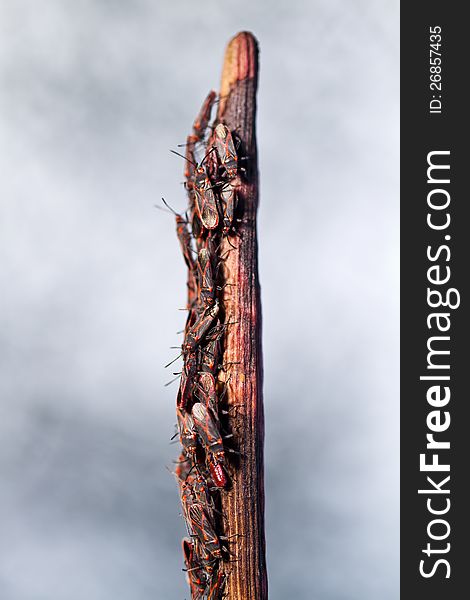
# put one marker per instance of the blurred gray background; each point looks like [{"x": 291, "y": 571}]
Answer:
[{"x": 93, "y": 94}]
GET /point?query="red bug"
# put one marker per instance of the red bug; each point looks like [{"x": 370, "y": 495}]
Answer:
[
  {"x": 200, "y": 190},
  {"x": 203, "y": 528},
  {"x": 208, "y": 395},
  {"x": 225, "y": 148},
  {"x": 185, "y": 240},
  {"x": 205, "y": 201},
  {"x": 198, "y": 513},
  {"x": 216, "y": 585},
  {"x": 201, "y": 493},
  {"x": 196, "y": 576},
  {"x": 184, "y": 237},
  {"x": 204, "y": 557},
  {"x": 188, "y": 435},
  {"x": 202, "y": 120},
  {"x": 184, "y": 466},
  {"x": 210, "y": 355},
  {"x": 207, "y": 392},
  {"x": 188, "y": 375},
  {"x": 228, "y": 195},
  {"x": 208, "y": 431},
  {"x": 198, "y": 330},
  {"x": 190, "y": 165},
  {"x": 206, "y": 286},
  {"x": 207, "y": 567},
  {"x": 199, "y": 187},
  {"x": 217, "y": 472},
  {"x": 200, "y": 125}
]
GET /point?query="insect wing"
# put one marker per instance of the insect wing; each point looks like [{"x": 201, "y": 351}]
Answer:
[
  {"x": 188, "y": 435},
  {"x": 187, "y": 380},
  {"x": 200, "y": 328},
  {"x": 196, "y": 578},
  {"x": 207, "y": 430},
  {"x": 201, "y": 493},
  {"x": 216, "y": 585},
  {"x": 186, "y": 501},
  {"x": 206, "y": 207},
  {"x": 228, "y": 196},
  {"x": 202, "y": 120},
  {"x": 203, "y": 528},
  {"x": 210, "y": 355},
  {"x": 225, "y": 149},
  {"x": 207, "y": 392},
  {"x": 184, "y": 239},
  {"x": 205, "y": 274},
  {"x": 183, "y": 467},
  {"x": 189, "y": 169}
]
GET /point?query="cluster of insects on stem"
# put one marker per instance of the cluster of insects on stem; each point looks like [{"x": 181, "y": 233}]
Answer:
[{"x": 202, "y": 471}]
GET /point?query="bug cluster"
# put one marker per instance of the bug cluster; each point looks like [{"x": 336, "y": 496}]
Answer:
[{"x": 212, "y": 184}]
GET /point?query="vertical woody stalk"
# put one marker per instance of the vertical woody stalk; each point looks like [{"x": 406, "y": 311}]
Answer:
[{"x": 243, "y": 504}]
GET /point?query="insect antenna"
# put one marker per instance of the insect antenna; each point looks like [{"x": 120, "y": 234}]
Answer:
[
  {"x": 205, "y": 157},
  {"x": 185, "y": 158},
  {"x": 182, "y": 216},
  {"x": 194, "y": 140},
  {"x": 170, "y": 208}
]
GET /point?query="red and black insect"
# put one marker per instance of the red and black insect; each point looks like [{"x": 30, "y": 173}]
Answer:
[
  {"x": 206, "y": 392},
  {"x": 200, "y": 189},
  {"x": 185, "y": 240},
  {"x": 203, "y": 528},
  {"x": 188, "y": 377},
  {"x": 204, "y": 557},
  {"x": 206, "y": 281},
  {"x": 196, "y": 332},
  {"x": 184, "y": 466},
  {"x": 201, "y": 122},
  {"x": 227, "y": 155},
  {"x": 217, "y": 472},
  {"x": 188, "y": 435},
  {"x": 196, "y": 576},
  {"x": 198, "y": 513},
  {"x": 184, "y": 237},
  {"x": 201, "y": 493},
  {"x": 216, "y": 586},
  {"x": 206, "y": 570},
  {"x": 210, "y": 354},
  {"x": 228, "y": 196},
  {"x": 208, "y": 431},
  {"x": 205, "y": 200},
  {"x": 225, "y": 148}
]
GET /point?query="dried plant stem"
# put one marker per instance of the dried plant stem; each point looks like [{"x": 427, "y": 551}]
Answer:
[{"x": 243, "y": 504}]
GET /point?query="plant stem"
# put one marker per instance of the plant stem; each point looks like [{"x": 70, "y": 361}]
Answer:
[{"x": 243, "y": 504}]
